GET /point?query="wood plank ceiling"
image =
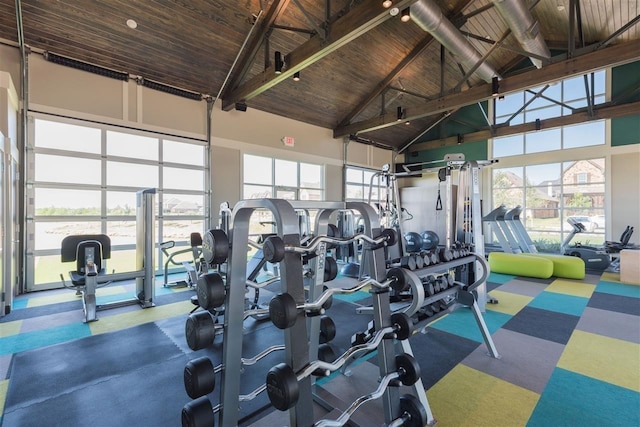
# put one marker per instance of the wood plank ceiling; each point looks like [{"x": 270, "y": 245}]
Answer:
[{"x": 347, "y": 76}]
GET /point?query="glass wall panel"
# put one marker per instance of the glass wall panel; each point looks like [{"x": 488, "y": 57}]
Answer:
[
  {"x": 182, "y": 179},
  {"x": 182, "y": 204},
  {"x": 310, "y": 175},
  {"x": 508, "y": 146},
  {"x": 286, "y": 173},
  {"x": 72, "y": 170},
  {"x": 132, "y": 175},
  {"x": 508, "y": 177},
  {"x": 584, "y": 135},
  {"x": 49, "y": 235},
  {"x": 121, "y": 203},
  {"x": 180, "y": 230},
  {"x": 544, "y": 140},
  {"x": 56, "y": 201},
  {"x": 63, "y": 136},
  {"x": 257, "y": 170},
  {"x": 257, "y": 192},
  {"x": 132, "y": 146},
  {"x": 182, "y": 152}
]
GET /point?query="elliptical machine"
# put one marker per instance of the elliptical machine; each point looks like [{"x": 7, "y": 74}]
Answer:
[{"x": 596, "y": 259}]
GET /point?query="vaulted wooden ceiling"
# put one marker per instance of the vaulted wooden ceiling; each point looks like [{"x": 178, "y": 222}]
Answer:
[{"x": 358, "y": 63}]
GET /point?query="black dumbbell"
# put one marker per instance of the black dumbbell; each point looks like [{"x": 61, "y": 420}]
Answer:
[
  {"x": 210, "y": 290},
  {"x": 327, "y": 329},
  {"x": 199, "y": 374},
  {"x": 215, "y": 247},
  {"x": 283, "y": 310},
  {"x": 283, "y": 388},
  {"x": 200, "y": 330}
]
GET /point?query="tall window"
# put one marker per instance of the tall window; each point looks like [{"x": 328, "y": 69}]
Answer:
[
  {"x": 266, "y": 177},
  {"x": 561, "y": 99},
  {"x": 84, "y": 180},
  {"x": 359, "y": 185},
  {"x": 550, "y": 194}
]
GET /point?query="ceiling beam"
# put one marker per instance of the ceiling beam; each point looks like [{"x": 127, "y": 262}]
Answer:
[
  {"x": 249, "y": 55},
  {"x": 604, "y": 112},
  {"x": 578, "y": 65},
  {"x": 406, "y": 61},
  {"x": 360, "y": 19}
]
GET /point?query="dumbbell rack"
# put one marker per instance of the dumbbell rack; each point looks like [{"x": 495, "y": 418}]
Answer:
[
  {"x": 300, "y": 352},
  {"x": 296, "y": 350},
  {"x": 374, "y": 266}
]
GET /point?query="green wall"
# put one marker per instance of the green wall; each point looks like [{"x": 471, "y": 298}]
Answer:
[
  {"x": 625, "y": 130},
  {"x": 471, "y": 150}
]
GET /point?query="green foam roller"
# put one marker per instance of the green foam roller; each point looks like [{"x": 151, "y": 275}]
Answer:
[
  {"x": 520, "y": 265},
  {"x": 566, "y": 267}
]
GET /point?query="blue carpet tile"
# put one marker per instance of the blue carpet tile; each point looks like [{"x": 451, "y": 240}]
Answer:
[
  {"x": 618, "y": 303},
  {"x": 545, "y": 324}
]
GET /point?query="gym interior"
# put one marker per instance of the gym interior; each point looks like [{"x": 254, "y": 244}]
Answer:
[{"x": 265, "y": 213}]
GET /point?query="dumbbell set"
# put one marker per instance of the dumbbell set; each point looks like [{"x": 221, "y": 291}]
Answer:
[{"x": 425, "y": 258}]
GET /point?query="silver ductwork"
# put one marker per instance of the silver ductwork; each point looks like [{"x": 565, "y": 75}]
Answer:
[
  {"x": 430, "y": 18},
  {"x": 527, "y": 30}
]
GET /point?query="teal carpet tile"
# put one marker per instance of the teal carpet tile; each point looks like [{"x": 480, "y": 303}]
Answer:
[
  {"x": 43, "y": 337},
  {"x": 463, "y": 323},
  {"x": 561, "y": 303},
  {"x": 618, "y": 289},
  {"x": 572, "y": 399},
  {"x": 500, "y": 278},
  {"x": 353, "y": 297}
]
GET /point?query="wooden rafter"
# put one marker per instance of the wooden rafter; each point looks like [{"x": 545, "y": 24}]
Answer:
[
  {"x": 592, "y": 61},
  {"x": 599, "y": 113},
  {"x": 247, "y": 58},
  {"x": 359, "y": 20}
]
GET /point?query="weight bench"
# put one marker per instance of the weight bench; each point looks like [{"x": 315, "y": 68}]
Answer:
[{"x": 88, "y": 251}]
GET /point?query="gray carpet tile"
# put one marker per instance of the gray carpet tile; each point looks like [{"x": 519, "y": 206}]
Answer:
[
  {"x": 524, "y": 360},
  {"x": 611, "y": 324}
]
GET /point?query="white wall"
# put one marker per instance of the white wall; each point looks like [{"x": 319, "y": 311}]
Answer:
[{"x": 65, "y": 91}]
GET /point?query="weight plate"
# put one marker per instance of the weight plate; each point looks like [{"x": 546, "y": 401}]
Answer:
[
  {"x": 199, "y": 377},
  {"x": 210, "y": 290},
  {"x": 389, "y": 235},
  {"x": 215, "y": 247},
  {"x": 408, "y": 368},
  {"x": 199, "y": 330},
  {"x": 197, "y": 413},
  {"x": 402, "y": 324},
  {"x": 399, "y": 279},
  {"x": 412, "y": 408},
  {"x": 273, "y": 249},
  {"x": 330, "y": 269},
  {"x": 283, "y": 311},
  {"x": 282, "y": 387},
  {"x": 327, "y": 329}
]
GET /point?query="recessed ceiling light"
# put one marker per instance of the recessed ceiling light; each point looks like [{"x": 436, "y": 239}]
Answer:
[{"x": 132, "y": 24}]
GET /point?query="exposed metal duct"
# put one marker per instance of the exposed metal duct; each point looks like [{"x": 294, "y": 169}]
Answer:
[
  {"x": 430, "y": 18},
  {"x": 527, "y": 30}
]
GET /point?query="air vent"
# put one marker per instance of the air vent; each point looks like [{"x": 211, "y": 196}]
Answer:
[
  {"x": 79, "y": 65},
  {"x": 172, "y": 90}
]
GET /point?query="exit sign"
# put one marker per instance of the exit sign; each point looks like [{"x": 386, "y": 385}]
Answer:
[{"x": 288, "y": 141}]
